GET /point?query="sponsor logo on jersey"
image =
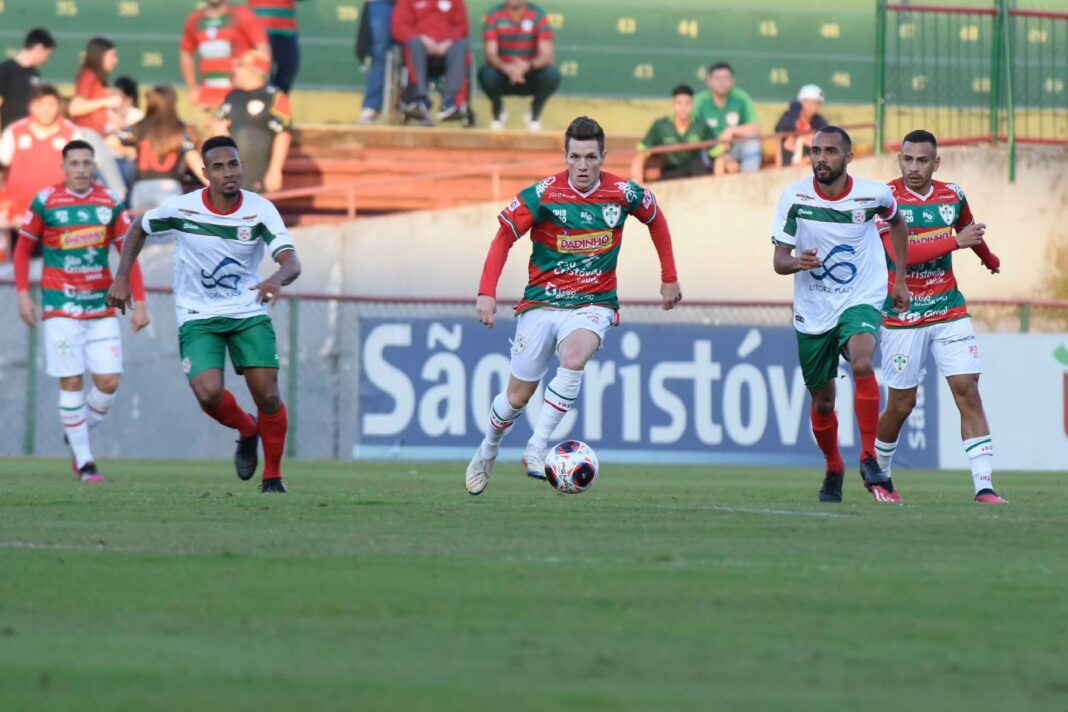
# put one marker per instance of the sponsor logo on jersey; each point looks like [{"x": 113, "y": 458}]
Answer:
[
  {"x": 908, "y": 215},
  {"x": 590, "y": 242},
  {"x": 586, "y": 216},
  {"x": 611, "y": 214},
  {"x": 948, "y": 211},
  {"x": 802, "y": 196},
  {"x": 561, "y": 215},
  {"x": 900, "y": 361},
  {"x": 840, "y": 271},
  {"x": 648, "y": 199},
  {"x": 212, "y": 280},
  {"x": 514, "y": 205},
  {"x": 82, "y": 237},
  {"x": 82, "y": 215},
  {"x": 244, "y": 233},
  {"x": 103, "y": 215},
  {"x": 627, "y": 189},
  {"x": 540, "y": 188}
]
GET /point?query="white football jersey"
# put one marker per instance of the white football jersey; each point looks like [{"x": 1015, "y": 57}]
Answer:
[
  {"x": 846, "y": 238},
  {"x": 217, "y": 256}
]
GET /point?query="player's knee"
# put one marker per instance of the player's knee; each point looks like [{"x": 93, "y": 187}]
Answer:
[
  {"x": 901, "y": 405},
  {"x": 967, "y": 396},
  {"x": 108, "y": 383},
  {"x": 862, "y": 366},
  {"x": 269, "y": 401},
  {"x": 823, "y": 406},
  {"x": 208, "y": 394}
]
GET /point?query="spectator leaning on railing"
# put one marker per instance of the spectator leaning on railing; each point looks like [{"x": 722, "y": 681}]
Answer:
[
  {"x": 803, "y": 117},
  {"x": 520, "y": 59},
  {"x": 729, "y": 111},
  {"x": 217, "y": 33},
  {"x": 19, "y": 75},
  {"x": 433, "y": 28},
  {"x": 678, "y": 129}
]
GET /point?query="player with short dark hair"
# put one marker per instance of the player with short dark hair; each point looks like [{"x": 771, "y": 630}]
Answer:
[
  {"x": 840, "y": 284},
  {"x": 575, "y": 219},
  {"x": 221, "y": 303},
  {"x": 75, "y": 222},
  {"x": 677, "y": 129},
  {"x": 940, "y": 222}
]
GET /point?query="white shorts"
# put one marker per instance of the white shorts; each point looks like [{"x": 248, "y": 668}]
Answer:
[
  {"x": 73, "y": 346},
  {"x": 539, "y": 331},
  {"x": 952, "y": 345}
]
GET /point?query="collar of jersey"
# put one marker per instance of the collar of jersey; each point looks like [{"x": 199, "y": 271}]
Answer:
[
  {"x": 211, "y": 208},
  {"x": 79, "y": 196},
  {"x": 843, "y": 196},
  {"x": 921, "y": 197},
  {"x": 592, "y": 190}
]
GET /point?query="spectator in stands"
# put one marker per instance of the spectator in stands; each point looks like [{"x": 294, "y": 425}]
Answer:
[
  {"x": 803, "y": 116},
  {"x": 279, "y": 17},
  {"x": 729, "y": 111},
  {"x": 32, "y": 149},
  {"x": 679, "y": 128},
  {"x": 19, "y": 76},
  {"x": 218, "y": 33},
  {"x": 433, "y": 29},
  {"x": 93, "y": 99},
  {"x": 374, "y": 41},
  {"x": 128, "y": 114},
  {"x": 520, "y": 59},
  {"x": 162, "y": 148},
  {"x": 258, "y": 117}
]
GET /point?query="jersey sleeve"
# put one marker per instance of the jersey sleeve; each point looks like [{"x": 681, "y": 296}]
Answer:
[
  {"x": 33, "y": 225},
  {"x": 159, "y": 220},
  {"x": 120, "y": 222},
  {"x": 965, "y": 218},
  {"x": 644, "y": 206},
  {"x": 887, "y": 204},
  {"x": 250, "y": 26},
  {"x": 281, "y": 113},
  {"x": 784, "y": 226},
  {"x": 275, "y": 233},
  {"x": 7, "y": 147},
  {"x": 652, "y": 137},
  {"x": 520, "y": 215},
  {"x": 189, "y": 36},
  {"x": 544, "y": 28},
  {"x": 489, "y": 29}
]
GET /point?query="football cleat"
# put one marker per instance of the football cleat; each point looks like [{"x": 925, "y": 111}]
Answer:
[
  {"x": 534, "y": 462},
  {"x": 885, "y": 494},
  {"x": 273, "y": 486},
  {"x": 73, "y": 460},
  {"x": 246, "y": 457},
  {"x": 832, "y": 487},
  {"x": 478, "y": 472},
  {"x": 989, "y": 496},
  {"x": 878, "y": 482},
  {"x": 90, "y": 473}
]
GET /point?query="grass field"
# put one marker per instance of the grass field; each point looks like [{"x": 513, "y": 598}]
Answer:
[{"x": 385, "y": 586}]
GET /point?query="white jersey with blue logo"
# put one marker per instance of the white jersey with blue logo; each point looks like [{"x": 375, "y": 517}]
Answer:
[
  {"x": 217, "y": 256},
  {"x": 844, "y": 233}
]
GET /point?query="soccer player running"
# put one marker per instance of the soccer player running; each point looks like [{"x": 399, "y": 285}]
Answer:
[
  {"x": 575, "y": 219},
  {"x": 939, "y": 221},
  {"x": 221, "y": 302},
  {"x": 840, "y": 284},
  {"x": 76, "y": 221}
]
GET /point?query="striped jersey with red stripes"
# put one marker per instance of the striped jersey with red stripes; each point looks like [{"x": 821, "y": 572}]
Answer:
[
  {"x": 516, "y": 34},
  {"x": 279, "y": 17},
  {"x": 219, "y": 41}
]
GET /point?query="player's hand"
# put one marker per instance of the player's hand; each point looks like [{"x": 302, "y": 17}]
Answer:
[
  {"x": 27, "y": 309},
  {"x": 486, "y": 309},
  {"x": 971, "y": 236},
  {"x": 901, "y": 296},
  {"x": 808, "y": 260},
  {"x": 268, "y": 291},
  {"x": 140, "y": 318},
  {"x": 119, "y": 294},
  {"x": 670, "y": 295},
  {"x": 993, "y": 263},
  {"x": 272, "y": 181}
]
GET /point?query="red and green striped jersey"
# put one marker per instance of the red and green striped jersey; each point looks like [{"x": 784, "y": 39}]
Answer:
[
  {"x": 76, "y": 231},
  {"x": 278, "y": 16},
  {"x": 517, "y": 36},
  {"x": 576, "y": 238},
  {"x": 219, "y": 41},
  {"x": 935, "y": 216}
]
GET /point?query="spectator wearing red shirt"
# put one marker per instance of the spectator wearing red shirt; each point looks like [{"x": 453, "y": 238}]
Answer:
[
  {"x": 520, "y": 59},
  {"x": 218, "y": 34},
  {"x": 93, "y": 98},
  {"x": 430, "y": 29}
]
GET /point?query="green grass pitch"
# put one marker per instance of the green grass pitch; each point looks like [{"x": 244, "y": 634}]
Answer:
[{"x": 384, "y": 586}]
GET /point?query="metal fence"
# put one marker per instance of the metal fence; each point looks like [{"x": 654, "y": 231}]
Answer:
[{"x": 318, "y": 339}]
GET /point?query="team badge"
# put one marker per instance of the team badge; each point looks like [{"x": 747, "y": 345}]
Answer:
[
  {"x": 527, "y": 25},
  {"x": 900, "y": 361},
  {"x": 103, "y": 215},
  {"x": 948, "y": 212},
  {"x": 518, "y": 345},
  {"x": 859, "y": 217},
  {"x": 611, "y": 214},
  {"x": 244, "y": 233},
  {"x": 256, "y": 107},
  {"x": 187, "y": 365}
]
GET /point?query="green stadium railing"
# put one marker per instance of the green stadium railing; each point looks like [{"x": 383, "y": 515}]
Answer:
[{"x": 972, "y": 74}]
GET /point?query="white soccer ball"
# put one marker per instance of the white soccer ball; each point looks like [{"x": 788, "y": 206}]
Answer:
[{"x": 571, "y": 466}]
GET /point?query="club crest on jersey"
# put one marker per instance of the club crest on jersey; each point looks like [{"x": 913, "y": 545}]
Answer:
[
  {"x": 859, "y": 217},
  {"x": 103, "y": 214},
  {"x": 900, "y": 361},
  {"x": 948, "y": 212},
  {"x": 244, "y": 233},
  {"x": 611, "y": 214}
]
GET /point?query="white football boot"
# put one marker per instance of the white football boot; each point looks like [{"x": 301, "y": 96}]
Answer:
[
  {"x": 534, "y": 462},
  {"x": 478, "y": 472}
]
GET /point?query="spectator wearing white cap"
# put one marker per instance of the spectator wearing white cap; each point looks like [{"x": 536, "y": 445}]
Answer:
[{"x": 802, "y": 118}]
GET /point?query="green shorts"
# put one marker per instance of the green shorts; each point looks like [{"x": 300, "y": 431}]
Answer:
[
  {"x": 203, "y": 344},
  {"x": 819, "y": 352}
]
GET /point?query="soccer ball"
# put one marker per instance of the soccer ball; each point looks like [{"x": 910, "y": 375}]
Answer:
[{"x": 571, "y": 467}]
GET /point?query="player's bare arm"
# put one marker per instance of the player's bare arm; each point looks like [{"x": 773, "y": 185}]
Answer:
[
  {"x": 899, "y": 236},
  {"x": 119, "y": 296},
  {"x": 785, "y": 263},
  {"x": 27, "y": 309},
  {"x": 288, "y": 271}
]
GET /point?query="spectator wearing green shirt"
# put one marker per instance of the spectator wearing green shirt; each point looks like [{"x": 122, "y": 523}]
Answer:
[
  {"x": 678, "y": 129},
  {"x": 729, "y": 111}
]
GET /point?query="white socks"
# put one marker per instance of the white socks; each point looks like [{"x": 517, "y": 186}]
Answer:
[
  {"x": 980, "y": 452},
  {"x": 99, "y": 404},
  {"x": 560, "y": 395},
  {"x": 884, "y": 453},
  {"x": 501, "y": 418},
  {"x": 72, "y": 413}
]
